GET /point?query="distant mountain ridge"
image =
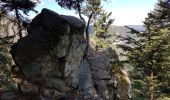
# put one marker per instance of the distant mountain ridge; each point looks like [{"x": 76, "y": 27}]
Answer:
[
  {"x": 140, "y": 28},
  {"x": 121, "y": 29}
]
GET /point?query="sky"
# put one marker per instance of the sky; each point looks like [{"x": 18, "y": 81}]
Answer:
[{"x": 125, "y": 12}]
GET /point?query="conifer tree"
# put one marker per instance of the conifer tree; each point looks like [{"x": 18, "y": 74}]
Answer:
[
  {"x": 101, "y": 21},
  {"x": 101, "y": 27},
  {"x": 20, "y": 8},
  {"x": 160, "y": 19},
  {"x": 149, "y": 52}
]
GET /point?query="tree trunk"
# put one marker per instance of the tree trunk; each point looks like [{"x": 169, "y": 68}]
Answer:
[
  {"x": 151, "y": 87},
  {"x": 18, "y": 23}
]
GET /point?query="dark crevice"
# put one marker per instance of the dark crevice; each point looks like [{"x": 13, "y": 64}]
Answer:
[{"x": 61, "y": 65}]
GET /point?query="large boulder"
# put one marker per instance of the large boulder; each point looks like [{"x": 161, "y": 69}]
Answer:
[
  {"x": 51, "y": 60},
  {"x": 52, "y": 52}
]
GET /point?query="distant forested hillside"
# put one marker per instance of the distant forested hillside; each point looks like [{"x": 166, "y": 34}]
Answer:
[{"x": 122, "y": 29}]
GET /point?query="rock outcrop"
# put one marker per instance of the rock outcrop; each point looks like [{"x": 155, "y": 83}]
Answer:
[
  {"x": 51, "y": 53},
  {"x": 50, "y": 58}
]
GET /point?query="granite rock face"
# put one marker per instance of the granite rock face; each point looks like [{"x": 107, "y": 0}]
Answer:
[
  {"x": 51, "y": 58},
  {"x": 52, "y": 51}
]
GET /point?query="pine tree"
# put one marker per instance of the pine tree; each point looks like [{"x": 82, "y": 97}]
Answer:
[
  {"x": 160, "y": 19},
  {"x": 100, "y": 21},
  {"x": 101, "y": 27},
  {"x": 18, "y": 7},
  {"x": 149, "y": 53}
]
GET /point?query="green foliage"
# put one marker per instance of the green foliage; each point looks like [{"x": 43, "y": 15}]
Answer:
[
  {"x": 23, "y": 5},
  {"x": 69, "y": 4},
  {"x": 101, "y": 43},
  {"x": 92, "y": 6},
  {"x": 102, "y": 24},
  {"x": 19, "y": 9},
  {"x": 149, "y": 53},
  {"x": 94, "y": 11},
  {"x": 6, "y": 62}
]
